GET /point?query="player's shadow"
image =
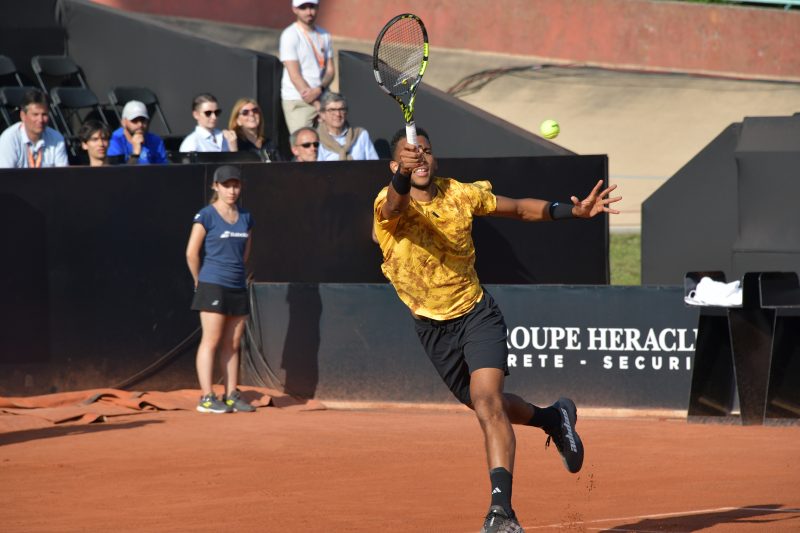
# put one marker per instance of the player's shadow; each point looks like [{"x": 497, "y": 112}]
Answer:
[
  {"x": 697, "y": 522},
  {"x": 300, "y": 359},
  {"x": 16, "y": 437}
]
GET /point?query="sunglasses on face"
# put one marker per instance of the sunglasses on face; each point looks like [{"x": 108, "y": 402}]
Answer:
[
  {"x": 246, "y": 112},
  {"x": 315, "y": 144},
  {"x": 215, "y": 112}
]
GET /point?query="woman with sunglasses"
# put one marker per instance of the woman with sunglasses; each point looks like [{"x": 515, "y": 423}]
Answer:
[
  {"x": 206, "y": 137},
  {"x": 246, "y": 122}
]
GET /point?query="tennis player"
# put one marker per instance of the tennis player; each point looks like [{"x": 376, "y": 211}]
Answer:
[
  {"x": 225, "y": 232},
  {"x": 423, "y": 225}
]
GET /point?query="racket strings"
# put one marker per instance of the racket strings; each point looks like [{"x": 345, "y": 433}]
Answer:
[{"x": 400, "y": 56}]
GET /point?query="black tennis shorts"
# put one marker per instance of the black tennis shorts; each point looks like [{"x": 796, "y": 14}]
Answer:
[
  {"x": 219, "y": 299},
  {"x": 459, "y": 346}
]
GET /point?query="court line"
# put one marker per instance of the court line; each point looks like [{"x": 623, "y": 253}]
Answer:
[
  {"x": 664, "y": 515},
  {"x": 585, "y": 412}
]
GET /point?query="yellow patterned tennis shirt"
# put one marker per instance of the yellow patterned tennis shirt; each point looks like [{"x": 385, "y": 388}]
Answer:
[{"x": 428, "y": 253}]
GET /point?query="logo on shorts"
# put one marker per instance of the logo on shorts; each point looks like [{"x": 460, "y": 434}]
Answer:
[{"x": 215, "y": 302}]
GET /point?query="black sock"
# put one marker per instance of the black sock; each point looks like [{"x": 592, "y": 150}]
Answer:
[
  {"x": 544, "y": 417},
  {"x": 501, "y": 488}
]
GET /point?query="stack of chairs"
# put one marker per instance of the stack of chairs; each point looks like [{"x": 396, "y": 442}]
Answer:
[{"x": 72, "y": 102}]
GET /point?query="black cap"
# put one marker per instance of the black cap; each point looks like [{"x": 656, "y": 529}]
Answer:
[{"x": 227, "y": 172}]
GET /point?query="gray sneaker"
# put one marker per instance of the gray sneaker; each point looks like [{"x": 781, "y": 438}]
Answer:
[
  {"x": 565, "y": 436},
  {"x": 211, "y": 404},
  {"x": 236, "y": 403},
  {"x": 497, "y": 521}
]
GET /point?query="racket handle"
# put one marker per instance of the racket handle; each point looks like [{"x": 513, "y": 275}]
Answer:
[{"x": 411, "y": 133}]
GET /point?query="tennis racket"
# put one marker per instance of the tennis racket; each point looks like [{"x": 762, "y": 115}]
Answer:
[{"x": 399, "y": 60}]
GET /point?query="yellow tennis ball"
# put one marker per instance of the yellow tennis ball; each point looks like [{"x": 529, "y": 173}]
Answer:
[{"x": 550, "y": 129}]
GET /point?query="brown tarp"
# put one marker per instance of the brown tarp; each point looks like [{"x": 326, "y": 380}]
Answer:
[{"x": 95, "y": 405}]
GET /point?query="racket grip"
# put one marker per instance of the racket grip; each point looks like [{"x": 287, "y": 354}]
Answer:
[{"x": 411, "y": 133}]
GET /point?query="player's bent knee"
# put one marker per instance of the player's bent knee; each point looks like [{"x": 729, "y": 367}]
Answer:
[{"x": 488, "y": 406}]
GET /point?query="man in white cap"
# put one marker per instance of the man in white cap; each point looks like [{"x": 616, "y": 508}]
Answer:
[
  {"x": 306, "y": 52},
  {"x": 133, "y": 142}
]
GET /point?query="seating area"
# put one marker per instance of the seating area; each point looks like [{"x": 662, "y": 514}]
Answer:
[{"x": 73, "y": 102}]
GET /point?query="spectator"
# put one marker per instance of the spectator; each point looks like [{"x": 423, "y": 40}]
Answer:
[
  {"x": 206, "y": 137},
  {"x": 247, "y": 122},
  {"x": 338, "y": 140},
  {"x": 133, "y": 142},
  {"x": 307, "y": 56},
  {"x": 31, "y": 143},
  {"x": 305, "y": 143},
  {"x": 94, "y": 137}
]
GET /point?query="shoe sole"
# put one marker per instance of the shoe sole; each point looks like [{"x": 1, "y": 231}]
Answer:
[
  {"x": 569, "y": 413},
  {"x": 201, "y": 409},
  {"x": 511, "y": 526},
  {"x": 235, "y": 410}
]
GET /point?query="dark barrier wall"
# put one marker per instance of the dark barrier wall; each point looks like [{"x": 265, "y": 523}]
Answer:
[
  {"x": 731, "y": 208},
  {"x": 94, "y": 274},
  {"x": 458, "y": 128},
  {"x": 314, "y": 221},
  {"x": 118, "y": 49},
  {"x": 604, "y": 346},
  {"x": 96, "y": 264}
]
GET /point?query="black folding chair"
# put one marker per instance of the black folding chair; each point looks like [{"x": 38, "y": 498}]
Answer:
[
  {"x": 75, "y": 105},
  {"x": 119, "y": 96},
  {"x": 62, "y": 73},
  {"x": 11, "y": 102},
  {"x": 9, "y": 73},
  {"x": 57, "y": 71},
  {"x": 9, "y": 78}
]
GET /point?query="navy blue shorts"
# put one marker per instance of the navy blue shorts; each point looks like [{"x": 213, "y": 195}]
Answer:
[
  {"x": 462, "y": 345},
  {"x": 219, "y": 299}
]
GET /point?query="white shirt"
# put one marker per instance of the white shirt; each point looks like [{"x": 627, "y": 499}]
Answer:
[
  {"x": 294, "y": 46},
  {"x": 203, "y": 140},
  {"x": 361, "y": 149},
  {"x": 15, "y": 146}
]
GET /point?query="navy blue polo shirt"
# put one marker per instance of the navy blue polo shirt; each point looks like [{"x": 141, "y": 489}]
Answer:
[{"x": 224, "y": 245}]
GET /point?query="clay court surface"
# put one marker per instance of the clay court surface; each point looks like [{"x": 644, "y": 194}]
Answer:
[{"x": 307, "y": 468}]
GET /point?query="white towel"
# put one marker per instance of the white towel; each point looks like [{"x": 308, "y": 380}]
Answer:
[{"x": 716, "y": 293}]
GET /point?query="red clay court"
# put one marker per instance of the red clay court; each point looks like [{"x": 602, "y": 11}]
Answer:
[{"x": 302, "y": 467}]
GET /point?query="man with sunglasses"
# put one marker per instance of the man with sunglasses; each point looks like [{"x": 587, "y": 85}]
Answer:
[
  {"x": 306, "y": 52},
  {"x": 305, "y": 143},
  {"x": 133, "y": 142}
]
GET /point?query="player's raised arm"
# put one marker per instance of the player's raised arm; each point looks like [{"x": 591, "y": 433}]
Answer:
[
  {"x": 534, "y": 210},
  {"x": 406, "y": 158}
]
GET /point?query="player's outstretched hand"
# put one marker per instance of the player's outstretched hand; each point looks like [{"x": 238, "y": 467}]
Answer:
[{"x": 597, "y": 202}]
